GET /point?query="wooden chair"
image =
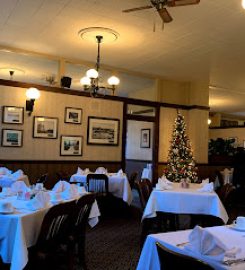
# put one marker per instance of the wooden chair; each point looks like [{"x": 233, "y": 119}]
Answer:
[
  {"x": 144, "y": 188},
  {"x": 55, "y": 233},
  {"x": 81, "y": 215},
  {"x": 170, "y": 260},
  {"x": 132, "y": 179}
]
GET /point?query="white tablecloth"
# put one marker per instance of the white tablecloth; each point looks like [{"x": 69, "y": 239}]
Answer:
[
  {"x": 149, "y": 259},
  {"x": 7, "y": 180},
  {"x": 118, "y": 185},
  {"x": 185, "y": 201},
  {"x": 20, "y": 230}
]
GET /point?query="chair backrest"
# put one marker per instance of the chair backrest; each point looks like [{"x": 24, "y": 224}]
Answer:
[
  {"x": 43, "y": 178},
  {"x": 144, "y": 188},
  {"x": 97, "y": 183},
  {"x": 132, "y": 179},
  {"x": 225, "y": 191},
  {"x": 56, "y": 223},
  {"x": 170, "y": 260},
  {"x": 61, "y": 175},
  {"x": 82, "y": 211}
]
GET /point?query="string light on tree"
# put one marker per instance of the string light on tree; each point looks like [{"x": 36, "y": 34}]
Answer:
[{"x": 181, "y": 164}]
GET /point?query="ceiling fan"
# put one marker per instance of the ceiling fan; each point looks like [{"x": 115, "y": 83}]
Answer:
[{"x": 159, "y": 5}]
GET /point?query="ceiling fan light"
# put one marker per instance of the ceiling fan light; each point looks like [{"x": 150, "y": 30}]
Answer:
[
  {"x": 92, "y": 73},
  {"x": 85, "y": 81},
  {"x": 113, "y": 80}
]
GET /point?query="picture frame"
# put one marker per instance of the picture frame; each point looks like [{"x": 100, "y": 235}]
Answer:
[
  {"x": 71, "y": 145},
  {"x": 103, "y": 131},
  {"x": 12, "y": 115},
  {"x": 12, "y": 138},
  {"x": 73, "y": 115},
  {"x": 45, "y": 127},
  {"x": 145, "y": 138}
]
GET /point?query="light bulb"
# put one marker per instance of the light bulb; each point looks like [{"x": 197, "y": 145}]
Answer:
[
  {"x": 209, "y": 121},
  {"x": 85, "y": 81},
  {"x": 113, "y": 80},
  {"x": 243, "y": 4},
  {"x": 92, "y": 73},
  {"x": 32, "y": 93}
]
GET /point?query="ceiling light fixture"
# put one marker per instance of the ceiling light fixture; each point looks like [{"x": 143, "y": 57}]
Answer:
[
  {"x": 243, "y": 4},
  {"x": 91, "y": 81}
]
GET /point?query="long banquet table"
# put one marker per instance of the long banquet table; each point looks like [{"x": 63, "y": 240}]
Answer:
[
  {"x": 20, "y": 230},
  {"x": 118, "y": 185},
  {"x": 185, "y": 201},
  {"x": 149, "y": 259}
]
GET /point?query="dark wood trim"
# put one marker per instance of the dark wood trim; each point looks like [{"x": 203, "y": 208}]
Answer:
[
  {"x": 73, "y": 92},
  {"x": 197, "y": 164},
  {"x": 226, "y": 127},
  {"x": 141, "y": 118},
  {"x": 124, "y": 136},
  {"x": 138, "y": 160},
  {"x": 155, "y": 146},
  {"x": 143, "y": 111}
]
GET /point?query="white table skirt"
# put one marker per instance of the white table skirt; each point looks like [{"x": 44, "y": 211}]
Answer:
[
  {"x": 20, "y": 230},
  {"x": 185, "y": 201},
  {"x": 149, "y": 259},
  {"x": 7, "y": 181},
  {"x": 118, "y": 185}
]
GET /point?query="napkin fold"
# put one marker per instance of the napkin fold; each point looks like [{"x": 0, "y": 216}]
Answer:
[
  {"x": 83, "y": 172},
  {"x": 41, "y": 200},
  {"x": 70, "y": 193},
  {"x": 207, "y": 187},
  {"x": 101, "y": 170},
  {"x": 120, "y": 172},
  {"x": 164, "y": 184},
  {"x": 16, "y": 175},
  {"x": 205, "y": 181},
  {"x": 61, "y": 186},
  {"x": 19, "y": 186},
  {"x": 202, "y": 242},
  {"x": 5, "y": 171}
]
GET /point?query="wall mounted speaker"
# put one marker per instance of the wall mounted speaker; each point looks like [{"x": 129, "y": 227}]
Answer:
[{"x": 65, "y": 82}]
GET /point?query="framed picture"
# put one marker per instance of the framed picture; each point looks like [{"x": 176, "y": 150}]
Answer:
[
  {"x": 145, "y": 138},
  {"x": 103, "y": 131},
  {"x": 73, "y": 115},
  {"x": 45, "y": 127},
  {"x": 12, "y": 137},
  {"x": 13, "y": 115},
  {"x": 71, "y": 145}
]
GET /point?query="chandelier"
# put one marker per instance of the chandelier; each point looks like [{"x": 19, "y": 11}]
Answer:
[{"x": 91, "y": 82}]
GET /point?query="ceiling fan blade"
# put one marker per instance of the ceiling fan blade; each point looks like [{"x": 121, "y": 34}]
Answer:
[
  {"x": 175, "y": 3},
  {"x": 136, "y": 9},
  {"x": 166, "y": 17}
]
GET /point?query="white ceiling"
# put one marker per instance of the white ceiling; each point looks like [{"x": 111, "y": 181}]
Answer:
[{"x": 204, "y": 41}]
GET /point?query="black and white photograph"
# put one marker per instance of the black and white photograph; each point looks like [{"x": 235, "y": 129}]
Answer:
[
  {"x": 13, "y": 115},
  {"x": 73, "y": 115},
  {"x": 103, "y": 131},
  {"x": 45, "y": 127},
  {"x": 12, "y": 138},
  {"x": 145, "y": 138},
  {"x": 71, "y": 145}
]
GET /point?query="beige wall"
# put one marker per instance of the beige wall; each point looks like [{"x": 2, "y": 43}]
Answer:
[
  {"x": 133, "y": 149},
  {"x": 226, "y": 133},
  {"x": 53, "y": 105}
]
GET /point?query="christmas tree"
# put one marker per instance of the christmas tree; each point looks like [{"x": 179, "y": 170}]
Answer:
[{"x": 181, "y": 164}]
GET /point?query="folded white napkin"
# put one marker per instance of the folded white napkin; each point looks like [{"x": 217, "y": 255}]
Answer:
[
  {"x": 101, "y": 170},
  {"x": 207, "y": 187},
  {"x": 227, "y": 175},
  {"x": 61, "y": 186},
  {"x": 80, "y": 171},
  {"x": 41, "y": 200},
  {"x": 16, "y": 175},
  {"x": 19, "y": 186},
  {"x": 164, "y": 184},
  {"x": 87, "y": 171},
  {"x": 70, "y": 193},
  {"x": 201, "y": 241},
  {"x": 5, "y": 171},
  {"x": 120, "y": 172},
  {"x": 205, "y": 181}
]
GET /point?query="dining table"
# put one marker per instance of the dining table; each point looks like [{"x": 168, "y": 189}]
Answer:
[
  {"x": 19, "y": 229},
  {"x": 118, "y": 185},
  {"x": 7, "y": 180},
  {"x": 179, "y": 200},
  {"x": 176, "y": 241}
]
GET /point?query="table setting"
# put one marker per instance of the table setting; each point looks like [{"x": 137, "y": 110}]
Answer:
[
  {"x": 118, "y": 182},
  {"x": 22, "y": 210},
  {"x": 8, "y": 177}
]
